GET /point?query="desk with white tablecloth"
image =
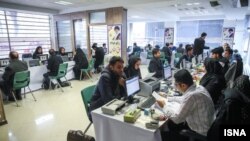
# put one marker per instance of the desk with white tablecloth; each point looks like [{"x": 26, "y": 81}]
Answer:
[{"x": 113, "y": 128}]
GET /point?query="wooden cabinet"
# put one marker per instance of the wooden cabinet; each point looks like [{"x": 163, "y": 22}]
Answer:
[{"x": 2, "y": 114}]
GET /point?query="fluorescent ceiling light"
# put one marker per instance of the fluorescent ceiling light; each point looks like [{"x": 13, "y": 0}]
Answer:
[
  {"x": 189, "y": 4},
  {"x": 135, "y": 17},
  {"x": 63, "y": 2},
  {"x": 196, "y": 3}
]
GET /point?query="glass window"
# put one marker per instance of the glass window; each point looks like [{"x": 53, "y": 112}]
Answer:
[
  {"x": 80, "y": 35},
  {"x": 26, "y": 32},
  {"x": 64, "y": 35},
  {"x": 98, "y": 34},
  {"x": 98, "y": 17}
]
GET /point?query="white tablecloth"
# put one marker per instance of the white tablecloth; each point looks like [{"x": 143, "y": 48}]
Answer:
[{"x": 112, "y": 128}]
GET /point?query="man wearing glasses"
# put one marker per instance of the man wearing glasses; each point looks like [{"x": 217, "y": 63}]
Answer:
[{"x": 196, "y": 107}]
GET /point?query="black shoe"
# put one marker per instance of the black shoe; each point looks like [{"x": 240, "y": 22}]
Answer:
[{"x": 11, "y": 99}]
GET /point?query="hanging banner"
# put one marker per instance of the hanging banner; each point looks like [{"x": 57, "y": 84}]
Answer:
[
  {"x": 228, "y": 35},
  {"x": 169, "y": 35},
  {"x": 114, "y": 40}
]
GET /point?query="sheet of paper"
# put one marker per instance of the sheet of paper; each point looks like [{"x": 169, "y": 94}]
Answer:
[{"x": 157, "y": 96}]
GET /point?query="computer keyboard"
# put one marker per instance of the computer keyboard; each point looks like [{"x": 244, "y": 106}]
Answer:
[{"x": 147, "y": 103}]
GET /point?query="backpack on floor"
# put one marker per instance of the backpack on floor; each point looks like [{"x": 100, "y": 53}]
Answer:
[{"x": 78, "y": 135}]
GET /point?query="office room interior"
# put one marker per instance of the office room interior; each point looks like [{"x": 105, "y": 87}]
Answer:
[{"x": 49, "y": 106}]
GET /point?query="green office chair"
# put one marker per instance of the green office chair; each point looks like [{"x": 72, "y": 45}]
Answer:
[
  {"x": 87, "y": 94},
  {"x": 62, "y": 71},
  {"x": 21, "y": 80},
  {"x": 89, "y": 69}
]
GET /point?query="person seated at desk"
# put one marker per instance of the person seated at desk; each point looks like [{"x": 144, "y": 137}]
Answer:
[
  {"x": 133, "y": 68},
  {"x": 196, "y": 106},
  {"x": 217, "y": 54},
  {"x": 81, "y": 62},
  {"x": 62, "y": 51},
  {"x": 39, "y": 51},
  {"x": 213, "y": 80},
  {"x": 111, "y": 84},
  {"x": 54, "y": 62},
  {"x": 8, "y": 77},
  {"x": 180, "y": 49},
  {"x": 187, "y": 57}
]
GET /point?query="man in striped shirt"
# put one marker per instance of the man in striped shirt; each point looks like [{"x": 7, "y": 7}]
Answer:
[{"x": 196, "y": 107}]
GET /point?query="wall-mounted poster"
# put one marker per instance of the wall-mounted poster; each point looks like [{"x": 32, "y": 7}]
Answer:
[
  {"x": 228, "y": 35},
  {"x": 169, "y": 35},
  {"x": 114, "y": 39}
]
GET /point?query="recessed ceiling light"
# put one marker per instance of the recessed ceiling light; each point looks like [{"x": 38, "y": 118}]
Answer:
[
  {"x": 63, "y": 2},
  {"x": 189, "y": 4}
]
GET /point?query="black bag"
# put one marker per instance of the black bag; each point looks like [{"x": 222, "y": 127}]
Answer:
[
  {"x": 65, "y": 84},
  {"x": 78, "y": 135}
]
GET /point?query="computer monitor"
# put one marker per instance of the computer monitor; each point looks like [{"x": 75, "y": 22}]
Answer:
[
  {"x": 69, "y": 54},
  {"x": 65, "y": 58},
  {"x": 4, "y": 62},
  {"x": 132, "y": 87},
  {"x": 167, "y": 72},
  {"x": 34, "y": 62},
  {"x": 43, "y": 57}
]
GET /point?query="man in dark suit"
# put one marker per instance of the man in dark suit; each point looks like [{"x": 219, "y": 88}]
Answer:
[
  {"x": 155, "y": 64},
  {"x": 8, "y": 77},
  {"x": 99, "y": 57},
  {"x": 168, "y": 52},
  {"x": 54, "y": 62},
  {"x": 199, "y": 45}
]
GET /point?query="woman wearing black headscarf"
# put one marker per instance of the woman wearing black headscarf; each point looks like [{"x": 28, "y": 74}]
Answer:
[
  {"x": 62, "y": 51},
  {"x": 81, "y": 62},
  {"x": 133, "y": 68},
  {"x": 213, "y": 80},
  {"x": 38, "y": 51}
]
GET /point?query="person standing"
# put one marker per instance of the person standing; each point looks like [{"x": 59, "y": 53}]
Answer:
[
  {"x": 199, "y": 45},
  {"x": 155, "y": 64},
  {"x": 99, "y": 57}
]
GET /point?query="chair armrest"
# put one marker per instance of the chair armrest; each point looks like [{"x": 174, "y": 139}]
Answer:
[{"x": 193, "y": 135}]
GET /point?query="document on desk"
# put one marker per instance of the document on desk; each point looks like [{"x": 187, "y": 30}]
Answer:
[{"x": 157, "y": 96}]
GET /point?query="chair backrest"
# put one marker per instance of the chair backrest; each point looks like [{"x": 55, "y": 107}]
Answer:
[
  {"x": 21, "y": 79},
  {"x": 91, "y": 63},
  {"x": 62, "y": 70},
  {"x": 87, "y": 94},
  {"x": 178, "y": 55}
]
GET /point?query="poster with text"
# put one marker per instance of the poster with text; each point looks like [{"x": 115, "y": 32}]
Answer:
[
  {"x": 114, "y": 39},
  {"x": 228, "y": 35},
  {"x": 169, "y": 35}
]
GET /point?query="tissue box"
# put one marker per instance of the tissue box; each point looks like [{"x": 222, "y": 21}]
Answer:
[{"x": 132, "y": 115}]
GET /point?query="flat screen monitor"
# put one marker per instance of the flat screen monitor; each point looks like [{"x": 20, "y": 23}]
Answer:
[
  {"x": 132, "y": 86},
  {"x": 69, "y": 54},
  {"x": 34, "y": 62},
  {"x": 4, "y": 62},
  {"x": 43, "y": 57},
  {"x": 65, "y": 58},
  {"x": 167, "y": 72}
]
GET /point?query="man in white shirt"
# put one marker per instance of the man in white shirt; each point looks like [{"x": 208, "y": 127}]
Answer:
[{"x": 196, "y": 106}]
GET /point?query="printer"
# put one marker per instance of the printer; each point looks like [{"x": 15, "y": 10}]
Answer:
[
  {"x": 148, "y": 85},
  {"x": 113, "y": 106}
]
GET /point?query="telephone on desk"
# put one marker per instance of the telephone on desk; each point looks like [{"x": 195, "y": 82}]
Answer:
[{"x": 113, "y": 106}]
